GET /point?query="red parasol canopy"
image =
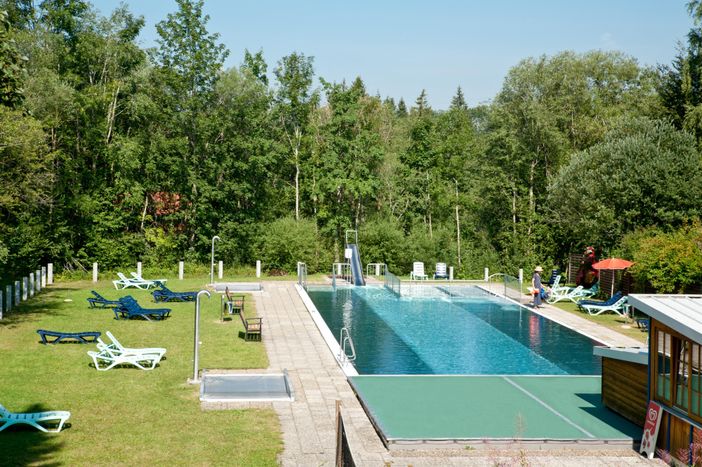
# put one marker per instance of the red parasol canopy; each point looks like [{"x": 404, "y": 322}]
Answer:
[{"x": 612, "y": 263}]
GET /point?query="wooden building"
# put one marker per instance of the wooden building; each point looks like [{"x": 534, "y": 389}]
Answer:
[{"x": 673, "y": 372}]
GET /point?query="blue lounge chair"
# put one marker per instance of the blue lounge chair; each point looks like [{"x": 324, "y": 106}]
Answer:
[
  {"x": 129, "y": 308},
  {"x": 440, "y": 272},
  {"x": 80, "y": 337},
  {"x": 612, "y": 300},
  {"x": 98, "y": 301},
  {"x": 164, "y": 294},
  {"x": 619, "y": 307},
  {"x": 554, "y": 273}
]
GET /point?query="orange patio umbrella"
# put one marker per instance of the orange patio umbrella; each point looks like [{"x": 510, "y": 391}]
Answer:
[{"x": 612, "y": 264}]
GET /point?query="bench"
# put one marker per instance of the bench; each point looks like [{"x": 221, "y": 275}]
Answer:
[
  {"x": 232, "y": 304},
  {"x": 80, "y": 337},
  {"x": 252, "y": 327}
]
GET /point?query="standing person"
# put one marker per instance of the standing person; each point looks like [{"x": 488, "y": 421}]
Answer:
[{"x": 536, "y": 285}]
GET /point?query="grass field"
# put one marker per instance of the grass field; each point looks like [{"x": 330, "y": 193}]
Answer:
[{"x": 127, "y": 416}]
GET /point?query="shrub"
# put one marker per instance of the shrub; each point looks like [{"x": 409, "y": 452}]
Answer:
[
  {"x": 669, "y": 261},
  {"x": 286, "y": 241}
]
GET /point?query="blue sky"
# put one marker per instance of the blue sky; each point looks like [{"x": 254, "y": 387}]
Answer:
[{"x": 401, "y": 47}]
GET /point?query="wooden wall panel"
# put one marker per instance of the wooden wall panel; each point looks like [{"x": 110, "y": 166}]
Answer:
[{"x": 625, "y": 389}]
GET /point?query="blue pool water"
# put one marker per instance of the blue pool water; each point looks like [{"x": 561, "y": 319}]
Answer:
[{"x": 476, "y": 334}]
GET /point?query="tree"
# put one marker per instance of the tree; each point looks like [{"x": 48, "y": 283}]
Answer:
[
  {"x": 645, "y": 173},
  {"x": 295, "y": 99},
  {"x": 256, "y": 65},
  {"x": 458, "y": 102},
  {"x": 402, "y": 108},
  {"x": 11, "y": 66}
]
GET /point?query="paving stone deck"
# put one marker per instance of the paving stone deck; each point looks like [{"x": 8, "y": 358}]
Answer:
[{"x": 308, "y": 424}]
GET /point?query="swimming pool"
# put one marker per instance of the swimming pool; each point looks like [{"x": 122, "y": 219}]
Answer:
[{"x": 464, "y": 331}]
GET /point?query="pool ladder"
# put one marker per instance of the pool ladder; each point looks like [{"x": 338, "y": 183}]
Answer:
[{"x": 344, "y": 340}]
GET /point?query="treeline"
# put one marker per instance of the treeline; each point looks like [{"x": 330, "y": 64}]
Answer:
[{"x": 113, "y": 153}]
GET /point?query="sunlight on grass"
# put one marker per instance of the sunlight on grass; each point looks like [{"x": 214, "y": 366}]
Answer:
[{"x": 124, "y": 415}]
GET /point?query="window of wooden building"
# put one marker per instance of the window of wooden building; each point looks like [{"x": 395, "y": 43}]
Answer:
[{"x": 677, "y": 382}]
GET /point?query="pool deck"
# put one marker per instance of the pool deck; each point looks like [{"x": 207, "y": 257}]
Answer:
[{"x": 308, "y": 424}]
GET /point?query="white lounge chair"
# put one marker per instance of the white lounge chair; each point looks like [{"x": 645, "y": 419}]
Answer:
[
  {"x": 108, "y": 358},
  {"x": 440, "y": 272},
  {"x": 117, "y": 347},
  {"x": 150, "y": 282},
  {"x": 125, "y": 282},
  {"x": 418, "y": 271},
  {"x": 8, "y": 418},
  {"x": 619, "y": 307},
  {"x": 572, "y": 294}
]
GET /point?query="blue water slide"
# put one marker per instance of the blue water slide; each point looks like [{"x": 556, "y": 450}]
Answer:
[{"x": 356, "y": 268}]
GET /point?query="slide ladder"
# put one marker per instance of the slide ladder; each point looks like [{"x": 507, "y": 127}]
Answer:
[{"x": 356, "y": 267}]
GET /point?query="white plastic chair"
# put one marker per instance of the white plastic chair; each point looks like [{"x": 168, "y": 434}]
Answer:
[
  {"x": 8, "y": 418},
  {"x": 440, "y": 272},
  {"x": 418, "y": 271}
]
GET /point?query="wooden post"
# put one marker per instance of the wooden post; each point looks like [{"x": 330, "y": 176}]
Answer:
[
  {"x": 258, "y": 268},
  {"x": 37, "y": 280},
  {"x": 139, "y": 268},
  {"x": 181, "y": 266},
  {"x": 50, "y": 273},
  {"x": 43, "y": 276},
  {"x": 17, "y": 293},
  {"x": 450, "y": 273},
  {"x": 8, "y": 297},
  {"x": 25, "y": 287},
  {"x": 220, "y": 269},
  {"x": 487, "y": 274},
  {"x": 1, "y": 304},
  {"x": 95, "y": 272},
  {"x": 31, "y": 284}
]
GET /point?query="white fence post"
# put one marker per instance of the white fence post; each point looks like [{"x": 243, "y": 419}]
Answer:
[
  {"x": 1, "y": 304},
  {"x": 17, "y": 293},
  {"x": 258, "y": 268},
  {"x": 25, "y": 286},
  {"x": 487, "y": 274},
  {"x": 181, "y": 266},
  {"x": 37, "y": 280},
  {"x": 31, "y": 284},
  {"x": 8, "y": 297},
  {"x": 521, "y": 275},
  {"x": 95, "y": 272},
  {"x": 450, "y": 273},
  {"x": 139, "y": 268},
  {"x": 43, "y": 276},
  {"x": 220, "y": 269},
  {"x": 50, "y": 273}
]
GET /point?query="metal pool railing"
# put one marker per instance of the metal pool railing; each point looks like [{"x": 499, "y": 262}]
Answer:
[
  {"x": 341, "y": 271},
  {"x": 376, "y": 269},
  {"x": 392, "y": 282},
  {"x": 509, "y": 286},
  {"x": 302, "y": 275}
]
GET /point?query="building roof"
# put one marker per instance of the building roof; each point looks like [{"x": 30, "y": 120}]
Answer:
[{"x": 683, "y": 313}]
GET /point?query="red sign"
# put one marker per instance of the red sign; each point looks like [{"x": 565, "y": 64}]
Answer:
[{"x": 651, "y": 426}]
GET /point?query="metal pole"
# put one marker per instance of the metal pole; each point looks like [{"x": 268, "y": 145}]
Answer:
[
  {"x": 212, "y": 260},
  {"x": 196, "y": 362}
]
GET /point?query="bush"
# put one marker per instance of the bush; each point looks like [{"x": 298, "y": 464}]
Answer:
[
  {"x": 286, "y": 241},
  {"x": 669, "y": 261}
]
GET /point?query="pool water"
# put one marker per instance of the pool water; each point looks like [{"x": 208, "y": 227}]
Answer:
[{"x": 469, "y": 333}]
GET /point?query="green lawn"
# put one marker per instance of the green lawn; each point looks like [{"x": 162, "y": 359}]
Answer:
[{"x": 126, "y": 416}]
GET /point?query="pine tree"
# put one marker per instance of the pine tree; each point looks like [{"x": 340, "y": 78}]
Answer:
[
  {"x": 458, "y": 102},
  {"x": 401, "y": 108}
]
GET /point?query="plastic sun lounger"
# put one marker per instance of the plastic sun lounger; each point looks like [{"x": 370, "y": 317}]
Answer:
[
  {"x": 418, "y": 271},
  {"x": 164, "y": 294},
  {"x": 129, "y": 308},
  {"x": 8, "y": 418},
  {"x": 574, "y": 295},
  {"x": 619, "y": 307},
  {"x": 118, "y": 347},
  {"x": 149, "y": 282},
  {"x": 107, "y": 359},
  {"x": 98, "y": 301},
  {"x": 125, "y": 282},
  {"x": 80, "y": 337},
  {"x": 611, "y": 301},
  {"x": 440, "y": 272}
]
